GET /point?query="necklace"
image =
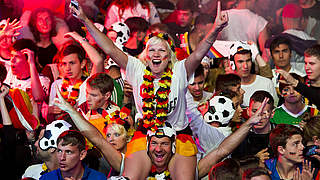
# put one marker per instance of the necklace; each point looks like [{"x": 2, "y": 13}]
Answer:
[
  {"x": 154, "y": 175},
  {"x": 72, "y": 96},
  {"x": 154, "y": 117},
  {"x": 114, "y": 115}
]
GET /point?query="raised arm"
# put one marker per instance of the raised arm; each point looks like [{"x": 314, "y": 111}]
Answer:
[
  {"x": 6, "y": 121},
  {"x": 92, "y": 133},
  {"x": 311, "y": 93},
  {"x": 230, "y": 143},
  {"x": 10, "y": 29},
  {"x": 38, "y": 93},
  {"x": 263, "y": 67},
  {"x": 93, "y": 54},
  {"x": 195, "y": 58},
  {"x": 102, "y": 40}
]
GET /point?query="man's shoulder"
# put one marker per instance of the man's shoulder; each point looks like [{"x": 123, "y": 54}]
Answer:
[
  {"x": 242, "y": 13},
  {"x": 55, "y": 174},
  {"x": 44, "y": 78},
  {"x": 262, "y": 81},
  {"x": 258, "y": 77},
  {"x": 280, "y": 111},
  {"x": 33, "y": 171},
  {"x": 58, "y": 81},
  {"x": 93, "y": 174}
]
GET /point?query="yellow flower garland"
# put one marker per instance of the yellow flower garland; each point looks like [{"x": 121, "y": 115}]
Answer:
[{"x": 154, "y": 117}]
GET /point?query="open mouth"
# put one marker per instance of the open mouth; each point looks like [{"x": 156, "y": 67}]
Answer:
[
  {"x": 159, "y": 157},
  {"x": 156, "y": 62}
]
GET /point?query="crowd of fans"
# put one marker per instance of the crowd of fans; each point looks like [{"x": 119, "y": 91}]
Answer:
[{"x": 160, "y": 89}]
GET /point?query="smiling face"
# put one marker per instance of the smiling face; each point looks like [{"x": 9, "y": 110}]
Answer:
[
  {"x": 243, "y": 64},
  {"x": 160, "y": 152},
  {"x": 312, "y": 66},
  {"x": 69, "y": 157},
  {"x": 293, "y": 151},
  {"x": 158, "y": 57},
  {"x": 281, "y": 56},
  {"x": 116, "y": 138},
  {"x": 44, "y": 22},
  {"x": 71, "y": 66}
]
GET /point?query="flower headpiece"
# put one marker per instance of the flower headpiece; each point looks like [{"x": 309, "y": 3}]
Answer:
[
  {"x": 161, "y": 35},
  {"x": 119, "y": 117}
]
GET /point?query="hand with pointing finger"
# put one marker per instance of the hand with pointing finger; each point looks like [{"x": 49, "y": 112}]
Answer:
[{"x": 221, "y": 19}]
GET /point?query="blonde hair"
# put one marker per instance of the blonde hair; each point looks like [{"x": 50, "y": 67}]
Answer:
[
  {"x": 153, "y": 41},
  {"x": 117, "y": 128}
]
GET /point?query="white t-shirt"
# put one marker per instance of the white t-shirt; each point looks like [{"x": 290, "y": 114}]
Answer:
[
  {"x": 33, "y": 171},
  {"x": 7, "y": 64},
  {"x": 177, "y": 100},
  {"x": 207, "y": 136},
  {"x": 25, "y": 84},
  {"x": 260, "y": 83},
  {"x": 243, "y": 25},
  {"x": 112, "y": 16}
]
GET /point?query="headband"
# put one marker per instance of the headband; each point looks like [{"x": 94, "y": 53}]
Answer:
[{"x": 161, "y": 35}]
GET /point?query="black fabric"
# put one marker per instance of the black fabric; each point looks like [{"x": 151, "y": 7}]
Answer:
[
  {"x": 297, "y": 44},
  {"x": 45, "y": 55},
  {"x": 134, "y": 52},
  {"x": 251, "y": 145},
  {"x": 175, "y": 31},
  {"x": 314, "y": 11},
  {"x": 311, "y": 93}
]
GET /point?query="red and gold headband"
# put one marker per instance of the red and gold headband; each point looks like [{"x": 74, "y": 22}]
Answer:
[{"x": 161, "y": 35}]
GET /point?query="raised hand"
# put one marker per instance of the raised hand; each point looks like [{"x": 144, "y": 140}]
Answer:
[
  {"x": 78, "y": 12},
  {"x": 10, "y": 29},
  {"x": 221, "y": 19},
  {"x": 288, "y": 79},
  {"x": 30, "y": 55},
  {"x": 257, "y": 116},
  {"x": 254, "y": 48},
  {"x": 262, "y": 155},
  {"x": 306, "y": 173},
  {"x": 4, "y": 90},
  {"x": 61, "y": 102},
  {"x": 74, "y": 35}
]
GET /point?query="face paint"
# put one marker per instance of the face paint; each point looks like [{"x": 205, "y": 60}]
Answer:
[{"x": 285, "y": 92}]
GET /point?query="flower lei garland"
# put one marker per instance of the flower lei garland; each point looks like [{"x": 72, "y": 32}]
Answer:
[
  {"x": 116, "y": 117},
  {"x": 72, "y": 96},
  {"x": 165, "y": 175},
  {"x": 154, "y": 118},
  {"x": 44, "y": 169}
]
